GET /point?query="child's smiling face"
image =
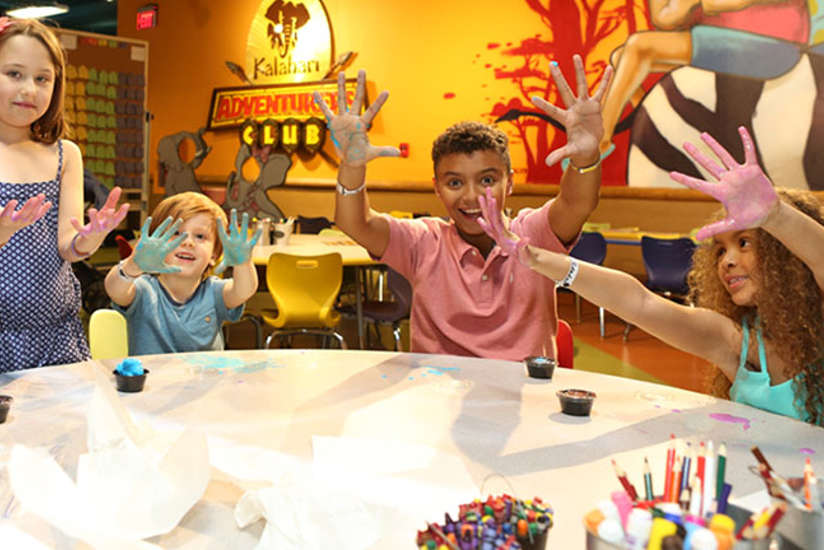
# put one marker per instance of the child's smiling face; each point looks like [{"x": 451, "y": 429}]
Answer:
[
  {"x": 26, "y": 81},
  {"x": 461, "y": 178},
  {"x": 738, "y": 265},
  {"x": 197, "y": 251}
]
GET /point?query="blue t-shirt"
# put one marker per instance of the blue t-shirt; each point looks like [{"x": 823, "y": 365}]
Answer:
[
  {"x": 159, "y": 324},
  {"x": 755, "y": 387}
]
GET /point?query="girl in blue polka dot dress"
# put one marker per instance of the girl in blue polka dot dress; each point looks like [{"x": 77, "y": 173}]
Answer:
[{"x": 41, "y": 201}]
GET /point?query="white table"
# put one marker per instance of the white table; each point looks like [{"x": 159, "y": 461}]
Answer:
[{"x": 484, "y": 414}]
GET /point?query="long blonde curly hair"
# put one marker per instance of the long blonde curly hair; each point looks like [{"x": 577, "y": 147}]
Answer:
[{"x": 789, "y": 305}]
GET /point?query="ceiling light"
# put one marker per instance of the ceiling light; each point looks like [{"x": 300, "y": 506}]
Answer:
[{"x": 36, "y": 10}]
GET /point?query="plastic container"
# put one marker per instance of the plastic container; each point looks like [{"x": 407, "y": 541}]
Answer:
[
  {"x": 539, "y": 366},
  {"x": 576, "y": 402},
  {"x": 801, "y": 529},
  {"x": 5, "y": 405},
  {"x": 739, "y": 515},
  {"x": 130, "y": 384}
]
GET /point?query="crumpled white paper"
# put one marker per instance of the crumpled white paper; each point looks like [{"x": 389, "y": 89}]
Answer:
[
  {"x": 132, "y": 484},
  {"x": 14, "y": 538},
  {"x": 357, "y": 492}
]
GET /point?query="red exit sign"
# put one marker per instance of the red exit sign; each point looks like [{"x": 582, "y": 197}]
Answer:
[{"x": 147, "y": 17}]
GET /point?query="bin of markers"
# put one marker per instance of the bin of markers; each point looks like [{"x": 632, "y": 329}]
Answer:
[
  {"x": 800, "y": 528},
  {"x": 499, "y": 523},
  {"x": 632, "y": 535}
]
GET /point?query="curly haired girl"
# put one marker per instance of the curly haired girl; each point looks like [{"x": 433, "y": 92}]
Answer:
[{"x": 758, "y": 280}]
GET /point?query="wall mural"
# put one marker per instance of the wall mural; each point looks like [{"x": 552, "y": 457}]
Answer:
[{"x": 680, "y": 71}]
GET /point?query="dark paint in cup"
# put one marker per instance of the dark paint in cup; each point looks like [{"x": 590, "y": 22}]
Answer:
[
  {"x": 5, "y": 405},
  {"x": 576, "y": 402}
]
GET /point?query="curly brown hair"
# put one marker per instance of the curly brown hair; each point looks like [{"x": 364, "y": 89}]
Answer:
[
  {"x": 469, "y": 136},
  {"x": 51, "y": 126},
  {"x": 789, "y": 304}
]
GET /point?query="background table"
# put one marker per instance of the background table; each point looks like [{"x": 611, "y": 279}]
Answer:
[
  {"x": 486, "y": 414},
  {"x": 352, "y": 255}
]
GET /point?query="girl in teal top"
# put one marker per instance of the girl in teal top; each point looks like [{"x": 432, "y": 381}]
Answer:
[
  {"x": 752, "y": 384},
  {"x": 763, "y": 260}
]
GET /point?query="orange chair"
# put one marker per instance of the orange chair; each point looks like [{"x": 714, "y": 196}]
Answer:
[{"x": 564, "y": 345}]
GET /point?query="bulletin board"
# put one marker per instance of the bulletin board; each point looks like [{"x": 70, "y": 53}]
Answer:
[{"x": 106, "y": 88}]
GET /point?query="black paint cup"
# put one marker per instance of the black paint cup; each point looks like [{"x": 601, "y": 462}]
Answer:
[
  {"x": 576, "y": 402},
  {"x": 5, "y": 405},
  {"x": 130, "y": 384},
  {"x": 539, "y": 366}
]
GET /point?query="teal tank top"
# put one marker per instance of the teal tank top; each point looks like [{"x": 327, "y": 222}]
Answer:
[{"x": 754, "y": 387}]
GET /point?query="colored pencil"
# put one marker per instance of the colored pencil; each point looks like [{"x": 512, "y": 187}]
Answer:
[
  {"x": 722, "y": 465},
  {"x": 622, "y": 477},
  {"x": 650, "y": 494}
]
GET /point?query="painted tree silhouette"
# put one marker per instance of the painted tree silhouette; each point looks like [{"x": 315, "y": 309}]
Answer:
[{"x": 574, "y": 26}]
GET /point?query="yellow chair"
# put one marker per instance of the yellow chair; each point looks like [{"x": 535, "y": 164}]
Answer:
[
  {"x": 108, "y": 335},
  {"x": 304, "y": 289},
  {"x": 332, "y": 232}
]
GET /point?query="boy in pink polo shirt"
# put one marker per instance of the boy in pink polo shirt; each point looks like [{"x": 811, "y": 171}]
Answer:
[{"x": 466, "y": 300}]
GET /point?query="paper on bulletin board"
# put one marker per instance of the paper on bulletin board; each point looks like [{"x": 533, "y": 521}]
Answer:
[
  {"x": 138, "y": 53},
  {"x": 68, "y": 41}
]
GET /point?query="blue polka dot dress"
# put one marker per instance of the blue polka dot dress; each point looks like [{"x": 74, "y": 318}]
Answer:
[{"x": 39, "y": 294}]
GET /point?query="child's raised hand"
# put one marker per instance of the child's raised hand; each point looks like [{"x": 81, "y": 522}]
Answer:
[
  {"x": 581, "y": 118},
  {"x": 745, "y": 191},
  {"x": 103, "y": 221},
  {"x": 348, "y": 128},
  {"x": 493, "y": 224},
  {"x": 151, "y": 250},
  {"x": 237, "y": 247},
  {"x": 12, "y": 219}
]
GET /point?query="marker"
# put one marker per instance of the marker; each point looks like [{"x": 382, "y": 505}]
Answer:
[
  {"x": 669, "y": 466},
  {"x": 622, "y": 477},
  {"x": 722, "y": 466},
  {"x": 650, "y": 495}
]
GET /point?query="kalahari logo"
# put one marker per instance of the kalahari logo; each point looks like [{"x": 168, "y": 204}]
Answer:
[{"x": 289, "y": 42}]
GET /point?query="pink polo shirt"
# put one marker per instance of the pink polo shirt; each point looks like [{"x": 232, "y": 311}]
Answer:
[{"x": 465, "y": 305}]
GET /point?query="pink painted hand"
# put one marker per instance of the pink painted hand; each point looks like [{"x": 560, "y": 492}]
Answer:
[
  {"x": 12, "y": 219},
  {"x": 745, "y": 191},
  {"x": 493, "y": 224},
  {"x": 103, "y": 221},
  {"x": 581, "y": 118},
  {"x": 348, "y": 128}
]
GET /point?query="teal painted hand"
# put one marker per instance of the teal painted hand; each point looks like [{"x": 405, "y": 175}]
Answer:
[
  {"x": 237, "y": 247},
  {"x": 151, "y": 251}
]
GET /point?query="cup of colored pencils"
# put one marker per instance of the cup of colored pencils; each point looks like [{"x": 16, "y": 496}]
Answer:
[
  {"x": 803, "y": 523},
  {"x": 689, "y": 510}
]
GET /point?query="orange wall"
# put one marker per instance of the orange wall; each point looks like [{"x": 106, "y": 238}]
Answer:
[{"x": 417, "y": 50}]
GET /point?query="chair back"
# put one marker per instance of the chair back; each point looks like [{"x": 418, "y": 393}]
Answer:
[
  {"x": 312, "y": 225},
  {"x": 667, "y": 262},
  {"x": 304, "y": 289},
  {"x": 108, "y": 335},
  {"x": 564, "y": 345},
  {"x": 591, "y": 247},
  {"x": 400, "y": 289}
]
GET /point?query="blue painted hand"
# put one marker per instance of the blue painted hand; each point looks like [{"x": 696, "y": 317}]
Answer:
[
  {"x": 237, "y": 246},
  {"x": 151, "y": 251}
]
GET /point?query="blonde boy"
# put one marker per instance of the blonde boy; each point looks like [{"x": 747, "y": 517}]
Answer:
[{"x": 162, "y": 288}]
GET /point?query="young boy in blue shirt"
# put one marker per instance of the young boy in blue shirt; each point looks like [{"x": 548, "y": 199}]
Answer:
[{"x": 170, "y": 304}]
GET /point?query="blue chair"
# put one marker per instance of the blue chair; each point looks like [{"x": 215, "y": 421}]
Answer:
[
  {"x": 313, "y": 225},
  {"x": 667, "y": 263},
  {"x": 592, "y": 248}
]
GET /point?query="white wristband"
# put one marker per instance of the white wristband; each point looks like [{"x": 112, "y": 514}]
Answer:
[
  {"x": 344, "y": 191},
  {"x": 571, "y": 274}
]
